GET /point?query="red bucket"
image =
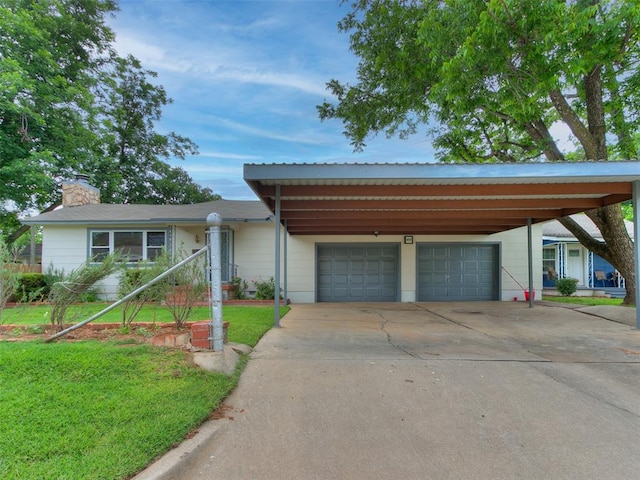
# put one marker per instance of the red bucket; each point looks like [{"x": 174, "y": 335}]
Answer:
[{"x": 526, "y": 295}]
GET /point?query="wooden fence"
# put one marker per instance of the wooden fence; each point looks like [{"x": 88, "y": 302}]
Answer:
[{"x": 24, "y": 268}]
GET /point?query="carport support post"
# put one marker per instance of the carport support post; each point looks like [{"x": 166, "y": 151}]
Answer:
[
  {"x": 216, "y": 334},
  {"x": 285, "y": 263},
  {"x": 530, "y": 262},
  {"x": 276, "y": 297},
  {"x": 636, "y": 245}
]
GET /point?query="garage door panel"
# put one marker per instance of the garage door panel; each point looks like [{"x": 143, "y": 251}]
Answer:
[
  {"x": 457, "y": 272},
  {"x": 373, "y": 280},
  {"x": 366, "y": 273}
]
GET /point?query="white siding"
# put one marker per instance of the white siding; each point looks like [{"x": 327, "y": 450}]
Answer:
[
  {"x": 302, "y": 268},
  {"x": 254, "y": 251},
  {"x": 254, "y": 256},
  {"x": 63, "y": 247}
]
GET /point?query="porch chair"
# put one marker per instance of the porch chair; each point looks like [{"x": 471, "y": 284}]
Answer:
[{"x": 600, "y": 276}]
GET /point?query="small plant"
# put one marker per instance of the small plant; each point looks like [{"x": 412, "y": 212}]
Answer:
[
  {"x": 8, "y": 277},
  {"x": 134, "y": 279},
  {"x": 566, "y": 286},
  {"x": 35, "y": 329},
  {"x": 31, "y": 287},
  {"x": 265, "y": 289},
  {"x": 187, "y": 287},
  {"x": 76, "y": 285},
  {"x": 240, "y": 287}
]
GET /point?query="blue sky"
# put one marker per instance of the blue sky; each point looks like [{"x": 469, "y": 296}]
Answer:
[{"x": 245, "y": 77}]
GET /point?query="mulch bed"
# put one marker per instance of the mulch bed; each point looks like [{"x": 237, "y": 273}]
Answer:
[{"x": 139, "y": 332}]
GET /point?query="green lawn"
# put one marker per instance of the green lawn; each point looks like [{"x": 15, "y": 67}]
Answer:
[
  {"x": 587, "y": 301},
  {"x": 39, "y": 314},
  {"x": 105, "y": 410}
]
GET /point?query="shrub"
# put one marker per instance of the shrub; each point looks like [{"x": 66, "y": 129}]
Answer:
[
  {"x": 185, "y": 288},
  {"x": 265, "y": 289},
  {"x": 133, "y": 279},
  {"x": 240, "y": 288},
  {"x": 31, "y": 287},
  {"x": 79, "y": 285},
  {"x": 566, "y": 286},
  {"x": 8, "y": 277}
]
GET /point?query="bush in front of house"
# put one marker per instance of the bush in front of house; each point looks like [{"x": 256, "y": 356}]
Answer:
[
  {"x": 32, "y": 287},
  {"x": 265, "y": 289},
  {"x": 134, "y": 278},
  {"x": 566, "y": 286}
]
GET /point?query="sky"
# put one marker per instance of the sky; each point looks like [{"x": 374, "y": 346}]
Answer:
[{"x": 245, "y": 78}]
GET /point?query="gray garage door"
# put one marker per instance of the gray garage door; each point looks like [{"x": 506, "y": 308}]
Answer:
[
  {"x": 357, "y": 272},
  {"x": 457, "y": 272}
]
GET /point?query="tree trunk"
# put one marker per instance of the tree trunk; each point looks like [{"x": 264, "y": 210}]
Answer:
[{"x": 617, "y": 248}]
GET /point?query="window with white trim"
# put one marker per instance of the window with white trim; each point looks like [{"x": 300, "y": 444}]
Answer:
[{"x": 136, "y": 245}]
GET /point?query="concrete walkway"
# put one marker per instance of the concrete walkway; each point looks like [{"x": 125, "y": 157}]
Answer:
[{"x": 428, "y": 391}]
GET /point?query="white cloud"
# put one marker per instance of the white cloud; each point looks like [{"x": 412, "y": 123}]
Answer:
[{"x": 228, "y": 155}]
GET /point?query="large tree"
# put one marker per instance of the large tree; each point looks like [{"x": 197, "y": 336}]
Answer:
[
  {"x": 493, "y": 78},
  {"x": 131, "y": 152},
  {"x": 69, "y": 104}
]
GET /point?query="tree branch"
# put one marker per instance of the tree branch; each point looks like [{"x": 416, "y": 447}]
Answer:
[
  {"x": 584, "y": 238},
  {"x": 570, "y": 117}
]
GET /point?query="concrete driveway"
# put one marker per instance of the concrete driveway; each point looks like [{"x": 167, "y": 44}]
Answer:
[{"x": 431, "y": 391}]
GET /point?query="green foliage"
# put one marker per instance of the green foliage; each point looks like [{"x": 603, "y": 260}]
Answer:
[
  {"x": 493, "y": 74},
  {"x": 84, "y": 410},
  {"x": 134, "y": 169},
  {"x": 494, "y": 77},
  {"x": 587, "y": 301},
  {"x": 566, "y": 286},
  {"x": 185, "y": 288},
  {"x": 78, "y": 286},
  {"x": 31, "y": 287},
  {"x": 133, "y": 279},
  {"x": 8, "y": 277},
  {"x": 52, "y": 276},
  {"x": 627, "y": 211},
  {"x": 69, "y": 103},
  {"x": 265, "y": 289},
  {"x": 240, "y": 287}
]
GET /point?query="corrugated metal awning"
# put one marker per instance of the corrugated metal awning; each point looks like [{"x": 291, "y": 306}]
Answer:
[{"x": 433, "y": 199}]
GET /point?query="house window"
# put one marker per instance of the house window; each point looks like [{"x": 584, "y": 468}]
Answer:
[{"x": 136, "y": 245}]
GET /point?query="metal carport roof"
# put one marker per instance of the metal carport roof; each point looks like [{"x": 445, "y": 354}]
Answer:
[
  {"x": 435, "y": 198},
  {"x": 401, "y": 198}
]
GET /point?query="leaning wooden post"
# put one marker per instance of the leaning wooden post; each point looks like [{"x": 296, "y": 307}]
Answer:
[{"x": 216, "y": 335}]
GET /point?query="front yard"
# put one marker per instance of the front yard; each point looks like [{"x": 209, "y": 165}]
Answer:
[{"x": 105, "y": 410}]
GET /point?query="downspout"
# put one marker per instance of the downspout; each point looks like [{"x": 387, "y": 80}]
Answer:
[{"x": 276, "y": 297}]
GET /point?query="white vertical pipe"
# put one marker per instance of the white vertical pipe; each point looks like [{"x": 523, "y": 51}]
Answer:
[{"x": 216, "y": 334}]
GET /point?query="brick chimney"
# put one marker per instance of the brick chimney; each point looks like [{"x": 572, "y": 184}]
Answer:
[{"x": 79, "y": 192}]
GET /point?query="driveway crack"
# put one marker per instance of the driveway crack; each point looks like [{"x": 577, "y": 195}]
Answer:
[{"x": 383, "y": 327}]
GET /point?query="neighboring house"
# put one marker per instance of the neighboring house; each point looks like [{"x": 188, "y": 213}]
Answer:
[
  {"x": 25, "y": 256},
  {"x": 564, "y": 257}
]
